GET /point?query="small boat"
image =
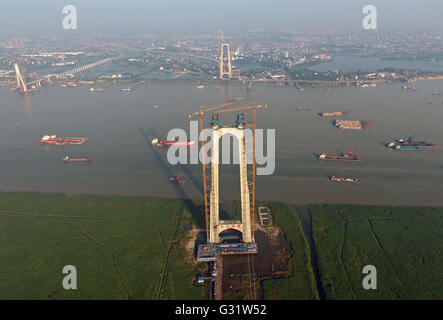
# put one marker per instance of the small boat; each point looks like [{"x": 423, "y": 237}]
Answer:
[
  {"x": 97, "y": 90},
  {"x": 409, "y": 88},
  {"x": 302, "y": 108},
  {"x": 126, "y": 89},
  {"x": 341, "y": 179},
  {"x": 68, "y": 159},
  {"x": 155, "y": 107},
  {"x": 176, "y": 179}
]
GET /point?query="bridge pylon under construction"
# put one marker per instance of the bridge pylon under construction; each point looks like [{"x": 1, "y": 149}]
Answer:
[
  {"x": 244, "y": 133},
  {"x": 217, "y": 226}
]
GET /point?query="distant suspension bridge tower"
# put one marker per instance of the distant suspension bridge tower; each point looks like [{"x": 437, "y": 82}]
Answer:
[{"x": 225, "y": 61}]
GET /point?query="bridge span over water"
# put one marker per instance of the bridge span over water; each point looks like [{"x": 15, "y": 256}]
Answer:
[{"x": 23, "y": 85}]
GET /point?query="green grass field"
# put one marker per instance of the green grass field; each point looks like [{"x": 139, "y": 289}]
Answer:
[
  {"x": 405, "y": 244},
  {"x": 132, "y": 248},
  {"x": 118, "y": 244}
]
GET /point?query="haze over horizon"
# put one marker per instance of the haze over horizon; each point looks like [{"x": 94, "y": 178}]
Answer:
[{"x": 29, "y": 18}]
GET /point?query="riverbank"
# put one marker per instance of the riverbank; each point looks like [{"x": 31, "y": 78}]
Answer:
[
  {"x": 139, "y": 248},
  {"x": 402, "y": 243}
]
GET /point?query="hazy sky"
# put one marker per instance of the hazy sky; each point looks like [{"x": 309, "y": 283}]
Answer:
[{"x": 30, "y": 17}]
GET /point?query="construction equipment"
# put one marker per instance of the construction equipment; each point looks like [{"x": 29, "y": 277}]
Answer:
[
  {"x": 215, "y": 122},
  {"x": 240, "y": 123}
]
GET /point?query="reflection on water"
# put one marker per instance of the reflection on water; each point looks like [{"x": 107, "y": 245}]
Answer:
[
  {"x": 120, "y": 126},
  {"x": 226, "y": 93},
  {"x": 25, "y": 102}
]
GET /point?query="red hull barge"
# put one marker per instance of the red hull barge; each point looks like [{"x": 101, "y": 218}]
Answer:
[
  {"x": 62, "y": 141},
  {"x": 169, "y": 143}
]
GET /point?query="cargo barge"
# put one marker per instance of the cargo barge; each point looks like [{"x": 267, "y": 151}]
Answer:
[
  {"x": 62, "y": 141},
  {"x": 333, "y": 114},
  {"x": 68, "y": 159},
  {"x": 352, "y": 124},
  {"x": 410, "y": 145},
  {"x": 349, "y": 156},
  {"x": 341, "y": 179}
]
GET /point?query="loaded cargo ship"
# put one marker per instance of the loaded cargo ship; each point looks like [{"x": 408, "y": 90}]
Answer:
[
  {"x": 349, "y": 156},
  {"x": 352, "y": 124},
  {"x": 410, "y": 145},
  {"x": 62, "y": 141},
  {"x": 341, "y": 179},
  {"x": 332, "y": 114},
  {"x": 169, "y": 143}
]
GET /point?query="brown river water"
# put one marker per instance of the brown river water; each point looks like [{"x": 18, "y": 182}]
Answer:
[{"x": 120, "y": 126}]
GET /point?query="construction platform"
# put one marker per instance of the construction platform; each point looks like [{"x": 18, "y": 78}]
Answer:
[{"x": 210, "y": 251}]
